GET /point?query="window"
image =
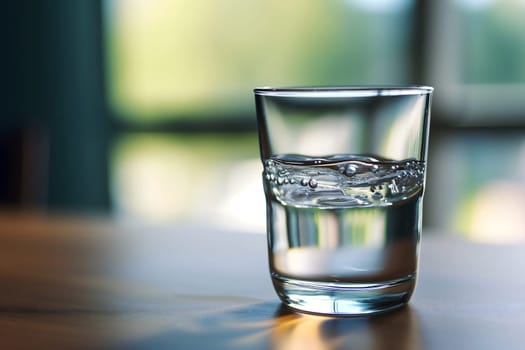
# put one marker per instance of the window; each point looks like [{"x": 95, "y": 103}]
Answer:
[
  {"x": 181, "y": 74},
  {"x": 475, "y": 56},
  {"x": 475, "y": 51},
  {"x": 189, "y": 67}
]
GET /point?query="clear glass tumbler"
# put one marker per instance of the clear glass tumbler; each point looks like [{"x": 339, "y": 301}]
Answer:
[{"x": 344, "y": 176}]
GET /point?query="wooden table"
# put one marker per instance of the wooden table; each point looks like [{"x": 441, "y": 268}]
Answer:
[{"x": 74, "y": 283}]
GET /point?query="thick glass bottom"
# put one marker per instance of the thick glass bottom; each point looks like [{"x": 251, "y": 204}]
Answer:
[{"x": 344, "y": 299}]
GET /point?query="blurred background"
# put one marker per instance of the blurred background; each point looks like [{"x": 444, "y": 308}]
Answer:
[{"x": 143, "y": 109}]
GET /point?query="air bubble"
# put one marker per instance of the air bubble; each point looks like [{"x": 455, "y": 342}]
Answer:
[
  {"x": 272, "y": 177},
  {"x": 304, "y": 182},
  {"x": 292, "y": 180},
  {"x": 377, "y": 196},
  {"x": 374, "y": 168},
  {"x": 286, "y": 180},
  {"x": 280, "y": 180},
  {"x": 312, "y": 183},
  {"x": 350, "y": 170}
]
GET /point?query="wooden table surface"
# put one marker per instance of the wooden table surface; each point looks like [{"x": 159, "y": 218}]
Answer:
[{"x": 84, "y": 283}]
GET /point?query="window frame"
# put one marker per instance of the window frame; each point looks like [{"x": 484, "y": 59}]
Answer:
[{"x": 456, "y": 103}]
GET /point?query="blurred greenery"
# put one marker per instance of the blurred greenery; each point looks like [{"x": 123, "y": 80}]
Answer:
[
  {"x": 199, "y": 59},
  {"x": 493, "y": 42}
]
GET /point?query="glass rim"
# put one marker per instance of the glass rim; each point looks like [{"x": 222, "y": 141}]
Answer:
[{"x": 344, "y": 91}]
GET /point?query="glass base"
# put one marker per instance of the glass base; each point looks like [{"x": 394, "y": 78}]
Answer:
[{"x": 343, "y": 299}]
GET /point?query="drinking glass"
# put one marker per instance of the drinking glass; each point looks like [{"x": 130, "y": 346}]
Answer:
[{"x": 344, "y": 176}]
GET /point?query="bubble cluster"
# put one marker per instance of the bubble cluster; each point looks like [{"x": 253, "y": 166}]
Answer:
[
  {"x": 277, "y": 174},
  {"x": 342, "y": 180}
]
